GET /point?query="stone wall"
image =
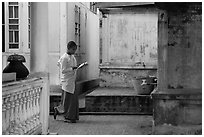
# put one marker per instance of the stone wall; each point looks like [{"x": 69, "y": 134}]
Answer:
[
  {"x": 177, "y": 104},
  {"x": 129, "y": 45},
  {"x": 123, "y": 77},
  {"x": 185, "y": 47},
  {"x": 129, "y": 38}
]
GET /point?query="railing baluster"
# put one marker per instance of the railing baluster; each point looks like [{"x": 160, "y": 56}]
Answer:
[
  {"x": 4, "y": 124},
  {"x": 38, "y": 106},
  {"x": 21, "y": 118},
  {"x": 12, "y": 122},
  {"x": 7, "y": 114},
  {"x": 34, "y": 106},
  {"x": 31, "y": 108},
  {"x": 25, "y": 128},
  {"x": 28, "y": 124},
  {"x": 21, "y": 108},
  {"x": 16, "y": 114}
]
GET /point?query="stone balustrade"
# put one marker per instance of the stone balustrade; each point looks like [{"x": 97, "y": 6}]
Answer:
[{"x": 21, "y": 107}]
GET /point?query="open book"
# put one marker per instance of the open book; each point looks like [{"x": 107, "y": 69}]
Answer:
[{"x": 82, "y": 64}]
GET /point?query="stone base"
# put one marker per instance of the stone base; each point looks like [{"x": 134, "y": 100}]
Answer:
[
  {"x": 177, "y": 130},
  {"x": 177, "y": 111}
]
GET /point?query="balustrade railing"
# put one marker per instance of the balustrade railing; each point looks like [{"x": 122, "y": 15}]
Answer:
[{"x": 21, "y": 107}]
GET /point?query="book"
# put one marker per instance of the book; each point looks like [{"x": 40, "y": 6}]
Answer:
[{"x": 82, "y": 64}]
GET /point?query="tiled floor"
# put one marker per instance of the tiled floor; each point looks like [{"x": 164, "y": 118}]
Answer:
[{"x": 103, "y": 125}]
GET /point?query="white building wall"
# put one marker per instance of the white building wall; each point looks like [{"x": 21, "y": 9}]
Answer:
[
  {"x": 61, "y": 30},
  {"x": 92, "y": 48},
  {"x": 54, "y": 40},
  {"x": 89, "y": 39}
]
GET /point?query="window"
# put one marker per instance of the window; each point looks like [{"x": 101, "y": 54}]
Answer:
[
  {"x": 16, "y": 27},
  {"x": 3, "y": 27},
  {"x": 100, "y": 51},
  {"x": 13, "y": 25},
  {"x": 93, "y": 7},
  {"x": 77, "y": 26},
  {"x": 29, "y": 33}
]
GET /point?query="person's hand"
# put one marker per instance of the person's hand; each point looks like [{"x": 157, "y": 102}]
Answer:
[{"x": 74, "y": 68}]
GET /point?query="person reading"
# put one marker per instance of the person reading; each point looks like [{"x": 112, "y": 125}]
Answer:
[{"x": 69, "y": 100}]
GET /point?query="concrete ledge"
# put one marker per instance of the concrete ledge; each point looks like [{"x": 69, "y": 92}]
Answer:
[
  {"x": 81, "y": 87},
  {"x": 191, "y": 94},
  {"x": 118, "y": 100},
  {"x": 84, "y": 86},
  {"x": 177, "y": 130},
  {"x": 8, "y": 77},
  {"x": 127, "y": 67},
  {"x": 113, "y": 113},
  {"x": 179, "y": 108}
]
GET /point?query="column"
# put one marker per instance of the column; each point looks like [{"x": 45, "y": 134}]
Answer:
[
  {"x": 39, "y": 55},
  {"x": 162, "y": 50},
  {"x": 39, "y": 37}
]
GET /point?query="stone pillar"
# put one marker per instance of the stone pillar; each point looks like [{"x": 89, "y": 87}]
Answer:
[
  {"x": 162, "y": 50},
  {"x": 39, "y": 37},
  {"x": 177, "y": 103},
  {"x": 39, "y": 56}
]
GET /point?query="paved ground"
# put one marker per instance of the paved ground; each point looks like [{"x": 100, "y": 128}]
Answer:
[{"x": 103, "y": 125}]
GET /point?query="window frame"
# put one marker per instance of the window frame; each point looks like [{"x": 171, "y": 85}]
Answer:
[
  {"x": 23, "y": 31},
  {"x": 13, "y": 30},
  {"x": 77, "y": 26},
  {"x": 93, "y": 7},
  {"x": 3, "y": 27}
]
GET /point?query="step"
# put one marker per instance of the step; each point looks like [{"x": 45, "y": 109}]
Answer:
[{"x": 117, "y": 100}]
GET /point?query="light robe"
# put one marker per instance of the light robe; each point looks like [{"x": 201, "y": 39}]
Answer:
[{"x": 66, "y": 64}]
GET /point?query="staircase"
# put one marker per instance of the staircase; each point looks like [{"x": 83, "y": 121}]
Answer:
[
  {"x": 117, "y": 101},
  {"x": 116, "y": 94}
]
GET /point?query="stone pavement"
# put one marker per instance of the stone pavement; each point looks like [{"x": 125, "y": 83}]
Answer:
[{"x": 103, "y": 125}]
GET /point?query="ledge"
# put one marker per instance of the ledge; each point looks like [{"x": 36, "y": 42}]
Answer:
[
  {"x": 120, "y": 4},
  {"x": 13, "y": 83},
  {"x": 178, "y": 94},
  {"x": 9, "y": 87},
  {"x": 81, "y": 87},
  {"x": 127, "y": 67}
]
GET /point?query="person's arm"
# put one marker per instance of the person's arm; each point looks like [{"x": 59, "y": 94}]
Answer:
[
  {"x": 75, "y": 64},
  {"x": 66, "y": 69}
]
